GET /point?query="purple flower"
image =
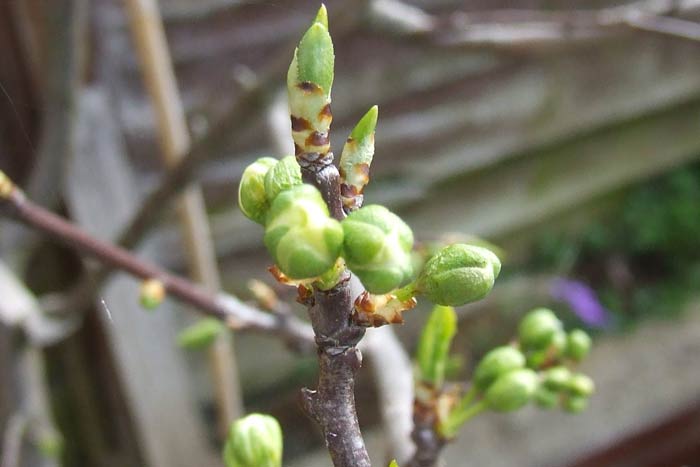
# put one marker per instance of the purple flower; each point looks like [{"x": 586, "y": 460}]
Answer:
[{"x": 582, "y": 300}]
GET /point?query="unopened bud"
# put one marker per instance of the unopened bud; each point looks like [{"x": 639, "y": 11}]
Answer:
[
  {"x": 578, "y": 345},
  {"x": 580, "y": 385},
  {"x": 497, "y": 362},
  {"x": 356, "y": 159},
  {"x": 377, "y": 248},
  {"x": 300, "y": 235},
  {"x": 201, "y": 334},
  {"x": 254, "y": 441},
  {"x": 556, "y": 378},
  {"x": 512, "y": 390},
  {"x": 459, "y": 274},
  {"x": 251, "y": 191},
  {"x": 538, "y": 329},
  {"x": 575, "y": 404},
  {"x": 6, "y": 185},
  {"x": 282, "y": 176},
  {"x": 152, "y": 293}
]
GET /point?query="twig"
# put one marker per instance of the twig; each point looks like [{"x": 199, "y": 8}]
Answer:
[
  {"x": 12, "y": 441},
  {"x": 235, "y": 313},
  {"x": 152, "y": 47},
  {"x": 393, "y": 374}
]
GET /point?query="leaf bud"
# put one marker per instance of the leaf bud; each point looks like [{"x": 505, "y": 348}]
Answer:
[
  {"x": 495, "y": 363},
  {"x": 377, "y": 248},
  {"x": 356, "y": 159},
  {"x": 254, "y": 441},
  {"x": 538, "y": 329},
  {"x": 201, "y": 334},
  {"x": 459, "y": 274},
  {"x": 251, "y": 191},
  {"x": 578, "y": 345},
  {"x": 300, "y": 235},
  {"x": 512, "y": 390},
  {"x": 282, "y": 176},
  {"x": 434, "y": 345},
  {"x": 152, "y": 293}
]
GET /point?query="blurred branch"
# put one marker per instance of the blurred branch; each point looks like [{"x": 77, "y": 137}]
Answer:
[
  {"x": 156, "y": 64},
  {"x": 517, "y": 28},
  {"x": 393, "y": 374},
  {"x": 233, "y": 312}
]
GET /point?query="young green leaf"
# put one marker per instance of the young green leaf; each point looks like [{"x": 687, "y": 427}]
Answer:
[
  {"x": 201, "y": 334},
  {"x": 434, "y": 345}
]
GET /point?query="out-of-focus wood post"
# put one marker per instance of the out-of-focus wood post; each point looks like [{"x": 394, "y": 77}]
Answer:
[{"x": 174, "y": 139}]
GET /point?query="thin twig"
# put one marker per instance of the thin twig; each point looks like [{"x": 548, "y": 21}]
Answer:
[
  {"x": 156, "y": 64},
  {"x": 233, "y": 312}
]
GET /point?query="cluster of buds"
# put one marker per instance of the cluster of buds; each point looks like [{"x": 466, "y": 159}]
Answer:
[
  {"x": 254, "y": 441},
  {"x": 309, "y": 247},
  {"x": 507, "y": 378}
]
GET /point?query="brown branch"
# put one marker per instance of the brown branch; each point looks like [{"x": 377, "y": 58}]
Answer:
[
  {"x": 236, "y": 314},
  {"x": 332, "y": 404}
]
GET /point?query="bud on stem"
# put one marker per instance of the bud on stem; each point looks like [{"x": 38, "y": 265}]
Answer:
[
  {"x": 254, "y": 441},
  {"x": 356, "y": 159}
]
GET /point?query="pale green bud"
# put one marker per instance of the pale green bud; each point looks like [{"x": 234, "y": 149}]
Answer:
[
  {"x": 394, "y": 463},
  {"x": 152, "y": 293},
  {"x": 578, "y": 345},
  {"x": 300, "y": 235},
  {"x": 356, "y": 159},
  {"x": 556, "y": 378},
  {"x": 377, "y": 248},
  {"x": 254, "y": 441},
  {"x": 309, "y": 82},
  {"x": 538, "y": 329},
  {"x": 459, "y": 274},
  {"x": 512, "y": 390},
  {"x": 580, "y": 385},
  {"x": 434, "y": 345},
  {"x": 251, "y": 191},
  {"x": 282, "y": 176},
  {"x": 545, "y": 398},
  {"x": 575, "y": 404},
  {"x": 497, "y": 362},
  {"x": 201, "y": 334}
]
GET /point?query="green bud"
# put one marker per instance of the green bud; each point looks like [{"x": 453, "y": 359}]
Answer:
[
  {"x": 578, "y": 345},
  {"x": 300, "y": 235},
  {"x": 377, "y": 248},
  {"x": 254, "y": 441},
  {"x": 322, "y": 16},
  {"x": 394, "y": 463},
  {"x": 434, "y": 345},
  {"x": 251, "y": 191},
  {"x": 282, "y": 176},
  {"x": 580, "y": 385},
  {"x": 538, "y": 329},
  {"x": 315, "y": 57},
  {"x": 545, "y": 398},
  {"x": 459, "y": 274},
  {"x": 152, "y": 294},
  {"x": 512, "y": 390},
  {"x": 356, "y": 159},
  {"x": 497, "y": 362},
  {"x": 556, "y": 378},
  {"x": 201, "y": 334},
  {"x": 575, "y": 404}
]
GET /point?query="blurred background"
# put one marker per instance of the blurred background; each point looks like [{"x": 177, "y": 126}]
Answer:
[{"x": 566, "y": 133}]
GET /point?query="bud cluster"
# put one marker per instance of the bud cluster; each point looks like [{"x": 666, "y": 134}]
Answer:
[{"x": 508, "y": 377}]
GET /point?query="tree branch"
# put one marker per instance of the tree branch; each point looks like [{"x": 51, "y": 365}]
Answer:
[{"x": 227, "y": 308}]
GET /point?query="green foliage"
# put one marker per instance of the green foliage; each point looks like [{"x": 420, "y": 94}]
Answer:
[
  {"x": 434, "y": 345},
  {"x": 201, "y": 334},
  {"x": 254, "y": 441}
]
